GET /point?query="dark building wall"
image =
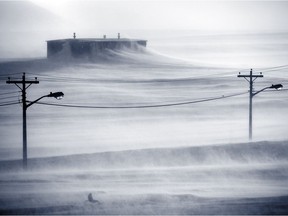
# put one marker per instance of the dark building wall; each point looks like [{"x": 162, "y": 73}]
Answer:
[
  {"x": 88, "y": 48},
  {"x": 54, "y": 47},
  {"x": 79, "y": 49}
]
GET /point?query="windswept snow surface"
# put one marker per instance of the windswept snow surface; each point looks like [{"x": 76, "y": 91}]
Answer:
[
  {"x": 188, "y": 159},
  {"x": 244, "y": 178}
]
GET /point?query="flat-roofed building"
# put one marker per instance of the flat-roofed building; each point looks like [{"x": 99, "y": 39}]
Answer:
[{"x": 90, "y": 47}]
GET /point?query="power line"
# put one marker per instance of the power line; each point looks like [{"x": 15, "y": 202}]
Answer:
[
  {"x": 3, "y": 98},
  {"x": 8, "y": 93},
  {"x": 273, "y": 68},
  {"x": 66, "y": 79},
  {"x": 10, "y": 103},
  {"x": 141, "y": 106},
  {"x": 93, "y": 80},
  {"x": 119, "y": 81},
  {"x": 5, "y": 75}
]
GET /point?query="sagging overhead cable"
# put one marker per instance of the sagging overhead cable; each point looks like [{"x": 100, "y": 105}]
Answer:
[
  {"x": 142, "y": 106},
  {"x": 9, "y": 104}
]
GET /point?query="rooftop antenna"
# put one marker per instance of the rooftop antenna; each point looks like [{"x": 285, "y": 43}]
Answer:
[{"x": 74, "y": 35}]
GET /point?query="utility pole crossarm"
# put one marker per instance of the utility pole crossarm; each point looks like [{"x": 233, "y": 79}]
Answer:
[
  {"x": 20, "y": 82},
  {"x": 240, "y": 75},
  {"x": 250, "y": 77}
]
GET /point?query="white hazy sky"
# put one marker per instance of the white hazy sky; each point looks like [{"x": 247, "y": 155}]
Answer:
[
  {"x": 40, "y": 20},
  {"x": 172, "y": 14}
]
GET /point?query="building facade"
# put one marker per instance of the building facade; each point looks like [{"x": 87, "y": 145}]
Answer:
[{"x": 90, "y": 47}]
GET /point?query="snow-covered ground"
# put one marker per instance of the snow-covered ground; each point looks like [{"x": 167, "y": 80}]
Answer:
[
  {"x": 245, "y": 178},
  {"x": 188, "y": 159}
]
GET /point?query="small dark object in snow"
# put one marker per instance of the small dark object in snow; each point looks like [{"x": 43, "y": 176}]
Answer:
[{"x": 91, "y": 199}]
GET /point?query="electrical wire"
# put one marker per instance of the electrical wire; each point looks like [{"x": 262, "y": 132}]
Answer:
[
  {"x": 141, "y": 106},
  {"x": 119, "y": 81},
  {"x": 8, "y": 93},
  {"x": 81, "y": 80},
  {"x": 9, "y": 103},
  {"x": 53, "y": 78},
  {"x": 268, "y": 69},
  {"x": 7, "y": 75},
  {"x": 3, "y": 98}
]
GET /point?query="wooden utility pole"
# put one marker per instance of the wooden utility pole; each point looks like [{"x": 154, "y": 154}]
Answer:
[
  {"x": 250, "y": 78},
  {"x": 21, "y": 84}
]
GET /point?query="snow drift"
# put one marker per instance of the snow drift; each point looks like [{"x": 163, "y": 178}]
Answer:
[{"x": 215, "y": 155}]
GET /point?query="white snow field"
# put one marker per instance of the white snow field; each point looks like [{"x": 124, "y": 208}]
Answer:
[
  {"x": 109, "y": 136},
  {"x": 221, "y": 179}
]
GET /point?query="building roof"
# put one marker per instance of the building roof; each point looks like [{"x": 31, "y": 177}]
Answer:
[{"x": 96, "y": 40}]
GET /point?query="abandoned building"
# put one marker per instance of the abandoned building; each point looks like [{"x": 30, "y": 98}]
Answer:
[{"x": 90, "y": 47}]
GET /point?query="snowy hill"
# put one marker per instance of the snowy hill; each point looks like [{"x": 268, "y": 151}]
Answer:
[{"x": 242, "y": 153}]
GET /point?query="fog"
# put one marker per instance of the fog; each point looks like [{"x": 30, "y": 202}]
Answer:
[
  {"x": 235, "y": 179},
  {"x": 24, "y": 35},
  {"x": 155, "y": 130},
  {"x": 159, "y": 160},
  {"x": 127, "y": 78}
]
